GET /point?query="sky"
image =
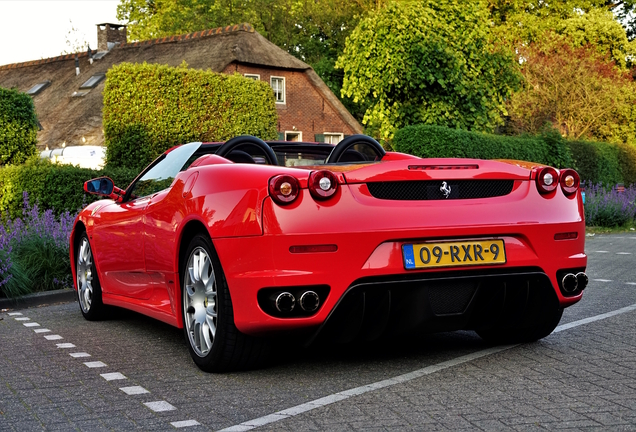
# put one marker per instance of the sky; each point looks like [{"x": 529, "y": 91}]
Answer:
[{"x": 35, "y": 29}]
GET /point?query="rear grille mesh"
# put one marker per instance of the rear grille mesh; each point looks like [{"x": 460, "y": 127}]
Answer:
[
  {"x": 450, "y": 297},
  {"x": 434, "y": 189}
]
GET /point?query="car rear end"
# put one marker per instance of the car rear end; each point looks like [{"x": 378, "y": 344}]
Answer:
[{"x": 409, "y": 244}]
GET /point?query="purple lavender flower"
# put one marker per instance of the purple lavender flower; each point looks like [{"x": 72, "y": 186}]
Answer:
[
  {"x": 606, "y": 206},
  {"x": 33, "y": 224}
]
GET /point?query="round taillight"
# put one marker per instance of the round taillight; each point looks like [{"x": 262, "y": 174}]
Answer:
[
  {"x": 570, "y": 181},
  {"x": 284, "y": 189},
  {"x": 322, "y": 184},
  {"x": 547, "y": 180}
]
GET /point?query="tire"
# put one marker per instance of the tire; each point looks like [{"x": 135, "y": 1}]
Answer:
[
  {"x": 513, "y": 334},
  {"x": 89, "y": 290},
  {"x": 214, "y": 342}
]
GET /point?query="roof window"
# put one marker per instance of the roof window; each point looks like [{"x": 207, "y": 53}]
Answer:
[
  {"x": 38, "y": 87},
  {"x": 79, "y": 93},
  {"x": 93, "y": 81}
]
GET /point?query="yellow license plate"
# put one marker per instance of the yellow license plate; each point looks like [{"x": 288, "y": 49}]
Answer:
[{"x": 449, "y": 254}]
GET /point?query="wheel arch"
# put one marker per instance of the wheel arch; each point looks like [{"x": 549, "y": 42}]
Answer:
[
  {"x": 76, "y": 234},
  {"x": 189, "y": 231}
]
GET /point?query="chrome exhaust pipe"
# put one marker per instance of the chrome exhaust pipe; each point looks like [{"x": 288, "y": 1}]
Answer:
[
  {"x": 569, "y": 282},
  {"x": 285, "y": 302},
  {"x": 309, "y": 301},
  {"x": 582, "y": 280}
]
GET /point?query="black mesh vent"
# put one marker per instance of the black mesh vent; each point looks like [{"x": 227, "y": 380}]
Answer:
[
  {"x": 435, "y": 189},
  {"x": 451, "y": 297}
]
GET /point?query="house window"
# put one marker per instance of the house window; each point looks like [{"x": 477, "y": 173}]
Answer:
[
  {"x": 93, "y": 81},
  {"x": 293, "y": 136},
  {"x": 333, "y": 137},
  {"x": 278, "y": 85},
  {"x": 79, "y": 93},
  {"x": 38, "y": 88},
  {"x": 255, "y": 77}
]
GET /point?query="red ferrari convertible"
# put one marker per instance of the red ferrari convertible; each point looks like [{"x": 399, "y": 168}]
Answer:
[{"x": 239, "y": 241}]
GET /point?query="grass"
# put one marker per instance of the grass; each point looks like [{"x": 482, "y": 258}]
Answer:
[{"x": 627, "y": 228}]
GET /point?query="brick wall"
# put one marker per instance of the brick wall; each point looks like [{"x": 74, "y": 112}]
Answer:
[{"x": 305, "y": 110}]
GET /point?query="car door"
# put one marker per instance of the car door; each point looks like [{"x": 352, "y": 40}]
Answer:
[
  {"x": 117, "y": 239},
  {"x": 119, "y": 229}
]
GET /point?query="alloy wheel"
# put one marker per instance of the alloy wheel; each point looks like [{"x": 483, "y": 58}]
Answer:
[
  {"x": 85, "y": 275},
  {"x": 200, "y": 302}
]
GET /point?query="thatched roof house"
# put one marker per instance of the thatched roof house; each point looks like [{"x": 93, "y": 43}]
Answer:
[{"x": 69, "y": 105}]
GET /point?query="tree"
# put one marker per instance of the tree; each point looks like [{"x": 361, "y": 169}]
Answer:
[
  {"x": 431, "y": 62},
  {"x": 599, "y": 28},
  {"x": 18, "y": 127},
  {"x": 578, "y": 90},
  {"x": 314, "y": 31},
  {"x": 75, "y": 41}
]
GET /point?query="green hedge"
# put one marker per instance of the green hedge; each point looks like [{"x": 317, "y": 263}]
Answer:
[
  {"x": 595, "y": 161},
  {"x": 57, "y": 187},
  {"x": 436, "y": 141},
  {"x": 604, "y": 163},
  {"x": 18, "y": 127},
  {"x": 150, "y": 108}
]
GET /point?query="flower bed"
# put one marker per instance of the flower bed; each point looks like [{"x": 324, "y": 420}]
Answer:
[
  {"x": 609, "y": 207},
  {"x": 34, "y": 251}
]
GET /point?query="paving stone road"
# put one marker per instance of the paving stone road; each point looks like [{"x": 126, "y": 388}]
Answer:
[{"x": 580, "y": 378}]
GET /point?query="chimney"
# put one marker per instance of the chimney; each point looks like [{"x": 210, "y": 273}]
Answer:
[{"x": 109, "y": 35}]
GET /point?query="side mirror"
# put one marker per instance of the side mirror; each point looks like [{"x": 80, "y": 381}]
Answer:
[{"x": 103, "y": 186}]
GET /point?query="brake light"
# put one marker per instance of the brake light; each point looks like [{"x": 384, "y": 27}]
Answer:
[
  {"x": 284, "y": 189},
  {"x": 547, "y": 180},
  {"x": 570, "y": 181},
  {"x": 322, "y": 184}
]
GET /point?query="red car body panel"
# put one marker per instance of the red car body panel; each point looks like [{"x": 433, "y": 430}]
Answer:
[{"x": 137, "y": 244}]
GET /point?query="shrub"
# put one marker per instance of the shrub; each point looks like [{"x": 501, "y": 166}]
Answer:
[
  {"x": 150, "y": 108},
  {"x": 604, "y": 162},
  {"x": 18, "y": 127},
  {"x": 34, "y": 251},
  {"x": 436, "y": 141},
  {"x": 607, "y": 207},
  {"x": 56, "y": 187}
]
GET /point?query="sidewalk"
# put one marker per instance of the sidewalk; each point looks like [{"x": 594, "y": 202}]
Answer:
[{"x": 66, "y": 295}]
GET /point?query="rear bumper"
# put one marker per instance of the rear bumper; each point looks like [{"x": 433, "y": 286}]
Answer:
[
  {"x": 257, "y": 263},
  {"x": 369, "y": 234}
]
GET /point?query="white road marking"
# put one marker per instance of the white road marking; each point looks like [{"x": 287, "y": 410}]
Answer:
[
  {"x": 14, "y": 313},
  {"x": 53, "y": 337},
  {"x": 79, "y": 354},
  {"x": 95, "y": 364},
  {"x": 336, "y": 397},
  {"x": 41, "y": 330},
  {"x": 65, "y": 345},
  {"x": 22, "y": 319},
  {"x": 630, "y": 283},
  {"x": 185, "y": 423},
  {"x": 601, "y": 280},
  {"x": 113, "y": 376},
  {"x": 623, "y": 253},
  {"x": 595, "y": 318},
  {"x": 31, "y": 324},
  {"x": 601, "y": 251},
  {"x": 159, "y": 406},
  {"x": 134, "y": 390}
]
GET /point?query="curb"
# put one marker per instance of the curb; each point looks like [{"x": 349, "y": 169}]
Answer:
[{"x": 39, "y": 299}]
